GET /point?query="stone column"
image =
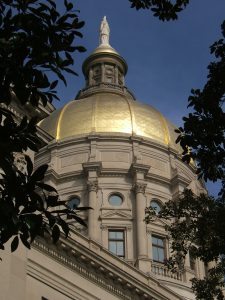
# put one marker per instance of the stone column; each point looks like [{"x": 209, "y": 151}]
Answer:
[
  {"x": 92, "y": 215},
  {"x": 92, "y": 171},
  {"x": 140, "y": 224},
  {"x": 116, "y": 75},
  {"x": 139, "y": 172},
  {"x": 102, "y": 72}
]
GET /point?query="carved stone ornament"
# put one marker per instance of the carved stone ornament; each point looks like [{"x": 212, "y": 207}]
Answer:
[
  {"x": 104, "y": 32},
  {"x": 104, "y": 227},
  {"x": 92, "y": 186},
  {"x": 139, "y": 187},
  {"x": 20, "y": 162}
]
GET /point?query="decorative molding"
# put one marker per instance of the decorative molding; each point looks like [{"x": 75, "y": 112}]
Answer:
[
  {"x": 139, "y": 187},
  {"x": 116, "y": 214},
  {"x": 93, "y": 271},
  {"x": 92, "y": 166},
  {"x": 104, "y": 227},
  {"x": 139, "y": 168},
  {"x": 92, "y": 186},
  {"x": 149, "y": 231}
]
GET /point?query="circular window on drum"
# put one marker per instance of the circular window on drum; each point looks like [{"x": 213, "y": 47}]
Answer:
[
  {"x": 155, "y": 205},
  {"x": 115, "y": 200},
  {"x": 73, "y": 202}
]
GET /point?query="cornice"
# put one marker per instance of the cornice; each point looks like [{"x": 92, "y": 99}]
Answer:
[
  {"x": 179, "y": 179},
  {"x": 139, "y": 168},
  {"x": 124, "y": 281},
  {"x": 92, "y": 166}
]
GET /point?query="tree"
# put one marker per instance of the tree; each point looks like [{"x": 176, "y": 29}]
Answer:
[
  {"x": 35, "y": 39},
  {"x": 165, "y": 10},
  {"x": 197, "y": 222}
]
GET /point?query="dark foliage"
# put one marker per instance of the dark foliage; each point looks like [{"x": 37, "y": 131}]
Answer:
[
  {"x": 163, "y": 9},
  {"x": 198, "y": 229},
  {"x": 202, "y": 136},
  {"x": 34, "y": 39}
]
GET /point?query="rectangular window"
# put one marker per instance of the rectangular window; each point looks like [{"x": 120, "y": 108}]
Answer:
[
  {"x": 192, "y": 262},
  {"x": 158, "y": 249},
  {"x": 116, "y": 242}
]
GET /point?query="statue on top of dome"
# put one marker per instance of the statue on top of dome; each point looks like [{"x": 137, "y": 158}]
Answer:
[{"x": 104, "y": 32}]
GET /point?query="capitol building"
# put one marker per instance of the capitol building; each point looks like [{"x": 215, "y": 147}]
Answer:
[{"x": 107, "y": 150}]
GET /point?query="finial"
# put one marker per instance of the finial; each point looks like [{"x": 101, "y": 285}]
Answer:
[{"x": 104, "y": 32}]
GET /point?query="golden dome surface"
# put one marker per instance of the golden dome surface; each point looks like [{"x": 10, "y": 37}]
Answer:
[
  {"x": 109, "y": 113},
  {"x": 105, "y": 105}
]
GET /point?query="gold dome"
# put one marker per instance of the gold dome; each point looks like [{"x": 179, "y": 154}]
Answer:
[
  {"x": 109, "y": 113},
  {"x": 105, "y": 105},
  {"x": 104, "y": 49}
]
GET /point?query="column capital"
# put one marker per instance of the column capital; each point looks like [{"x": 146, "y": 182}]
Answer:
[
  {"x": 139, "y": 187},
  {"x": 139, "y": 171},
  {"x": 92, "y": 186},
  {"x": 92, "y": 167},
  {"x": 139, "y": 168}
]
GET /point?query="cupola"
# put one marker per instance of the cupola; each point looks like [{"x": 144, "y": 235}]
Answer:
[{"x": 105, "y": 68}]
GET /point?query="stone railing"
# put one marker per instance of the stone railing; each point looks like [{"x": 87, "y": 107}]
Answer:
[
  {"x": 104, "y": 86},
  {"x": 161, "y": 270}
]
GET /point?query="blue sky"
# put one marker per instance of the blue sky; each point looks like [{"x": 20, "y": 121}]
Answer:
[{"x": 165, "y": 59}]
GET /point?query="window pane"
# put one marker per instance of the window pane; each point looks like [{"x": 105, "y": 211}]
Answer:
[
  {"x": 161, "y": 255},
  {"x": 120, "y": 249},
  {"x": 115, "y": 200},
  {"x": 158, "y": 249},
  {"x": 112, "y": 247},
  {"x": 154, "y": 240},
  {"x": 119, "y": 235},
  {"x": 73, "y": 202},
  {"x": 160, "y": 242},
  {"x": 112, "y": 234},
  {"x": 116, "y": 242},
  {"x": 155, "y": 204},
  {"x": 155, "y": 253}
]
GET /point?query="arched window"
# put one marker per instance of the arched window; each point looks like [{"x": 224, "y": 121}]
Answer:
[
  {"x": 73, "y": 202},
  {"x": 156, "y": 205},
  {"x": 115, "y": 200}
]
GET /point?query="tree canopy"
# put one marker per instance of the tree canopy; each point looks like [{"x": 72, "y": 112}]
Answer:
[{"x": 36, "y": 41}]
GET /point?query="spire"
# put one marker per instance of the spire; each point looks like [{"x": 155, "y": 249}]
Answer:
[
  {"x": 104, "y": 32},
  {"x": 104, "y": 69}
]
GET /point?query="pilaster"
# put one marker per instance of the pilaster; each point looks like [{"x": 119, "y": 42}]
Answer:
[
  {"x": 92, "y": 171},
  {"x": 138, "y": 172}
]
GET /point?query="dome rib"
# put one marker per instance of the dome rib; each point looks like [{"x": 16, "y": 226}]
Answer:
[
  {"x": 132, "y": 115},
  {"x": 58, "y": 130}
]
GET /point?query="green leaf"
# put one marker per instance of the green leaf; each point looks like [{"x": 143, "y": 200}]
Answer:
[
  {"x": 46, "y": 187},
  {"x": 39, "y": 174},
  {"x": 24, "y": 240},
  {"x": 29, "y": 165},
  {"x": 53, "y": 84},
  {"x": 15, "y": 243},
  {"x": 78, "y": 219},
  {"x": 80, "y": 48},
  {"x": 65, "y": 227},
  {"x": 55, "y": 233}
]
